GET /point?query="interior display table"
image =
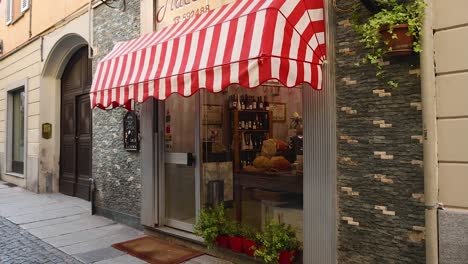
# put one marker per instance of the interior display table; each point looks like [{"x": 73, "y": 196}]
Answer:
[{"x": 287, "y": 182}]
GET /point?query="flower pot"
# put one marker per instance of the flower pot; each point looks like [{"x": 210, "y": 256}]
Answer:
[
  {"x": 222, "y": 241},
  {"x": 236, "y": 244},
  {"x": 249, "y": 246},
  {"x": 400, "y": 46},
  {"x": 287, "y": 257}
]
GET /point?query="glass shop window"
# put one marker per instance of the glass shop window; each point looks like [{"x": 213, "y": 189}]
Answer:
[
  {"x": 252, "y": 148},
  {"x": 16, "y": 130}
]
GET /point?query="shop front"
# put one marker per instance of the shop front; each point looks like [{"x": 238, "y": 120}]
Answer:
[{"x": 237, "y": 109}]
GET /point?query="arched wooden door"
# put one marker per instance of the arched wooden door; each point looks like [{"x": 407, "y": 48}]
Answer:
[{"x": 75, "y": 128}]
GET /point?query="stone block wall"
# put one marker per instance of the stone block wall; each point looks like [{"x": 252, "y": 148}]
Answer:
[
  {"x": 380, "y": 177},
  {"x": 117, "y": 172}
]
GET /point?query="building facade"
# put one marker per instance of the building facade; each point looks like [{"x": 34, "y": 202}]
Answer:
[
  {"x": 450, "y": 127},
  {"x": 370, "y": 189},
  {"x": 378, "y": 183},
  {"x": 37, "y": 46}
]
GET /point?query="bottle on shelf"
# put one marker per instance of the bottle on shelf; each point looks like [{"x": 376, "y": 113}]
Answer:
[
  {"x": 260, "y": 103},
  {"x": 254, "y": 104},
  {"x": 265, "y": 103}
]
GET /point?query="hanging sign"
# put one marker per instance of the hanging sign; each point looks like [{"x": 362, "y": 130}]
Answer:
[
  {"x": 170, "y": 12},
  {"x": 131, "y": 132}
]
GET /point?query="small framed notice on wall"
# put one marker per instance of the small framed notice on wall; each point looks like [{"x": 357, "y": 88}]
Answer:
[
  {"x": 212, "y": 114},
  {"x": 131, "y": 132},
  {"x": 278, "y": 112}
]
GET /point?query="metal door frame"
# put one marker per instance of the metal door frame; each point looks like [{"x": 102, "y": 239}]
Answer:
[{"x": 160, "y": 203}]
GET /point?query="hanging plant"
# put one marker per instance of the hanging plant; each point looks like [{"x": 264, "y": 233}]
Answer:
[{"x": 395, "y": 30}]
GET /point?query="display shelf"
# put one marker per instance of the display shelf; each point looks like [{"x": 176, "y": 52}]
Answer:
[
  {"x": 254, "y": 130},
  {"x": 248, "y": 115},
  {"x": 250, "y": 111},
  {"x": 250, "y": 150}
]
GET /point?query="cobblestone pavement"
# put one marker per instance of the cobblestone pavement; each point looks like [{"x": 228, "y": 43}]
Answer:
[{"x": 18, "y": 246}]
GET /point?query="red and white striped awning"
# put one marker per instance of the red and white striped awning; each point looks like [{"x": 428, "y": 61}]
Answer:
[{"x": 247, "y": 42}]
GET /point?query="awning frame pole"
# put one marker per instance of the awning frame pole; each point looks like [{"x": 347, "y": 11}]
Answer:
[{"x": 429, "y": 106}]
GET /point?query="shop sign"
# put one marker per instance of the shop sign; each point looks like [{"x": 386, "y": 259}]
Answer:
[
  {"x": 170, "y": 12},
  {"x": 131, "y": 132}
]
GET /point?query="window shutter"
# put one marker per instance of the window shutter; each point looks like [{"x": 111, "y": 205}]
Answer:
[
  {"x": 24, "y": 5},
  {"x": 9, "y": 11}
]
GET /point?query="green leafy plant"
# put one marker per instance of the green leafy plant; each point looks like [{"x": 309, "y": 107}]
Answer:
[
  {"x": 211, "y": 223},
  {"x": 232, "y": 229},
  {"x": 392, "y": 13},
  {"x": 249, "y": 233},
  {"x": 275, "y": 238}
]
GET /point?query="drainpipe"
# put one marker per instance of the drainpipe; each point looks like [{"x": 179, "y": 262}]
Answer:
[
  {"x": 30, "y": 17},
  {"x": 90, "y": 56},
  {"x": 91, "y": 29},
  {"x": 429, "y": 104}
]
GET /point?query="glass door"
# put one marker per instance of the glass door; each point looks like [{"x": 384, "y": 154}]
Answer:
[{"x": 181, "y": 169}]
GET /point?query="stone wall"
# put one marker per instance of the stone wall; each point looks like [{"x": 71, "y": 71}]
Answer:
[
  {"x": 380, "y": 175},
  {"x": 117, "y": 172}
]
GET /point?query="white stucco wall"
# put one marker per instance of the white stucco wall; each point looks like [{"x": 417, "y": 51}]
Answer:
[
  {"x": 39, "y": 66},
  {"x": 23, "y": 67},
  {"x": 451, "y": 60},
  {"x": 58, "y": 47}
]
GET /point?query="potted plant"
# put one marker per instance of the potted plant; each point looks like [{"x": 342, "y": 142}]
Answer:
[
  {"x": 397, "y": 25},
  {"x": 278, "y": 244},
  {"x": 249, "y": 242},
  {"x": 233, "y": 229},
  {"x": 211, "y": 226}
]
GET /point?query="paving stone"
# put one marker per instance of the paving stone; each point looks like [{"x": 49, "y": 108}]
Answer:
[
  {"x": 85, "y": 222},
  {"x": 54, "y": 221},
  {"x": 18, "y": 246},
  {"x": 206, "y": 259},
  {"x": 102, "y": 242},
  {"x": 40, "y": 216},
  {"x": 99, "y": 254},
  {"x": 124, "y": 259},
  {"x": 83, "y": 236}
]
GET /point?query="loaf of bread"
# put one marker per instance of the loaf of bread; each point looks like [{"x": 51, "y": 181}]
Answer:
[
  {"x": 280, "y": 163},
  {"x": 262, "y": 162}
]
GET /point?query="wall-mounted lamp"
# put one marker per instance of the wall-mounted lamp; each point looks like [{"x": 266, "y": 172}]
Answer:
[{"x": 116, "y": 4}]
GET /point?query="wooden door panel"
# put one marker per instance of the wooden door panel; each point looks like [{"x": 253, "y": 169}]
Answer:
[
  {"x": 75, "y": 147},
  {"x": 83, "y": 160},
  {"x": 84, "y": 115},
  {"x": 68, "y": 118},
  {"x": 67, "y": 147}
]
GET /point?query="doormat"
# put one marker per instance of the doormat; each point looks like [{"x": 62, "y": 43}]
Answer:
[{"x": 157, "y": 251}]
